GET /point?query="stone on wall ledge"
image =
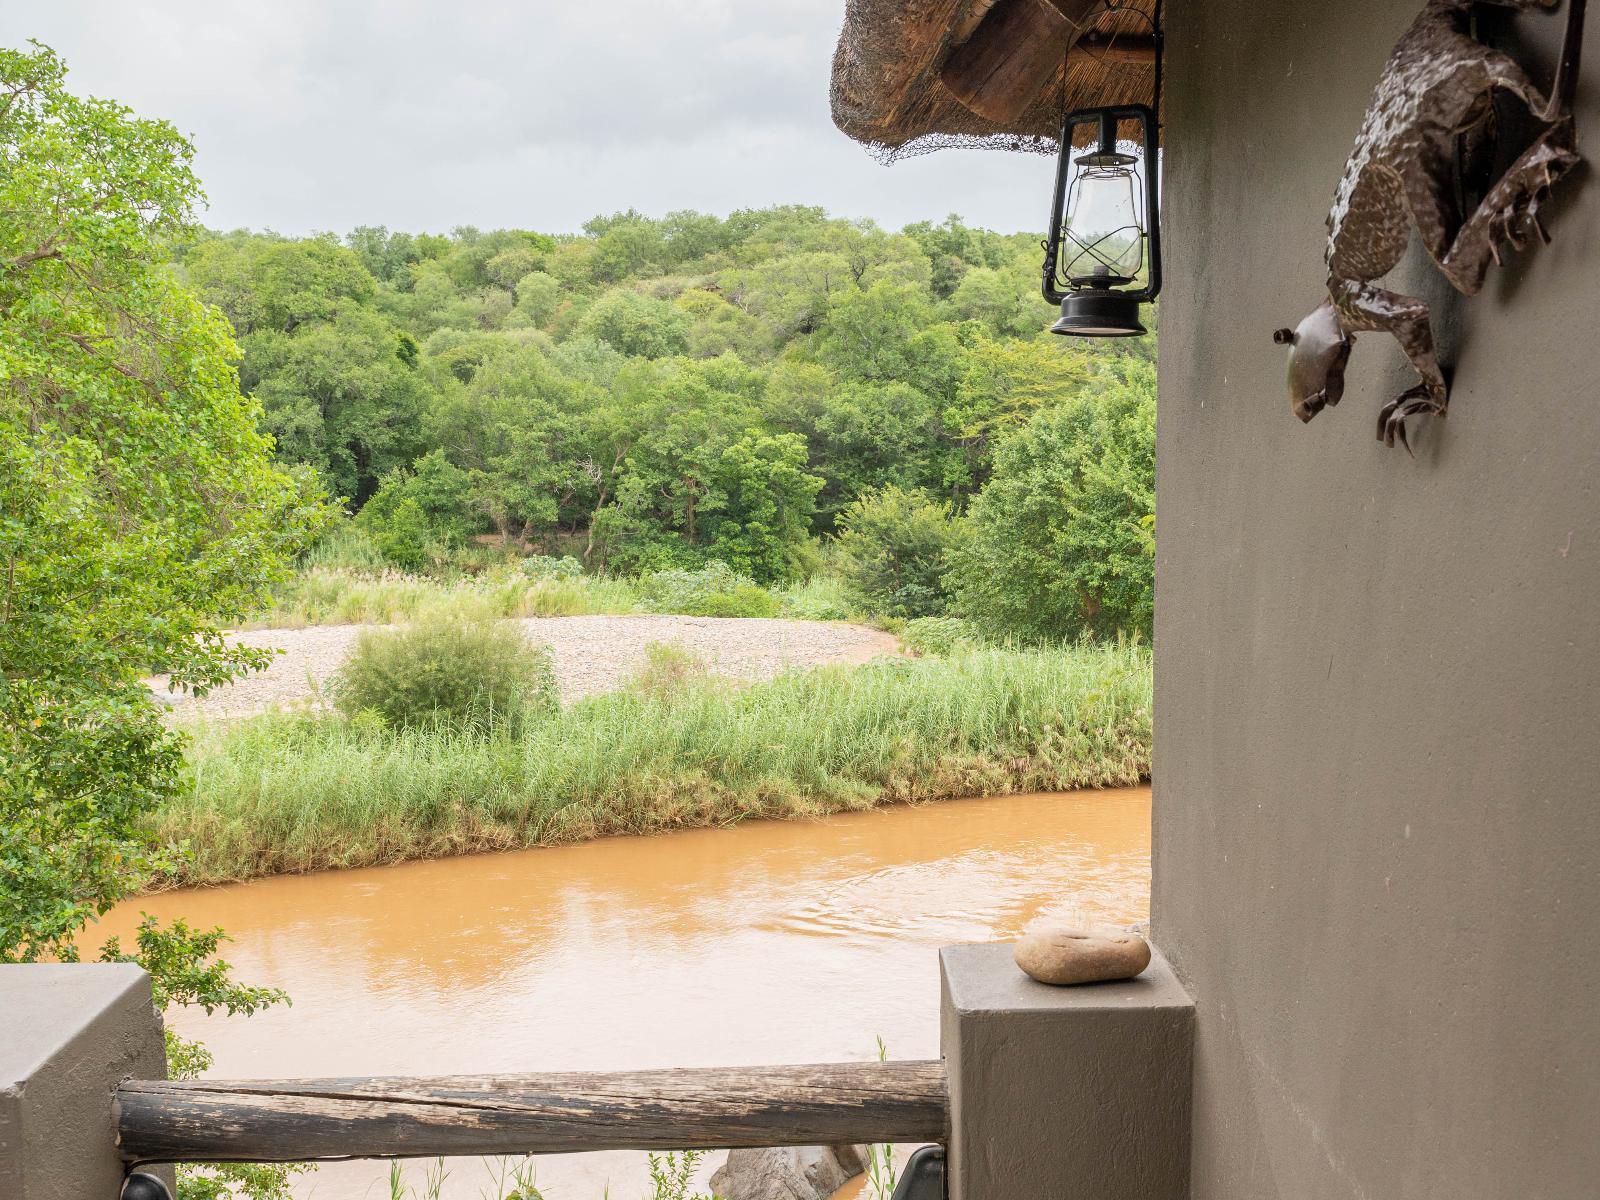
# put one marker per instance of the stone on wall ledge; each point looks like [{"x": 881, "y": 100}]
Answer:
[{"x": 1065, "y": 1091}]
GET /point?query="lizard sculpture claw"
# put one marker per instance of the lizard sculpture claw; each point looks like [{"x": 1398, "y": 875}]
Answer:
[{"x": 1439, "y": 84}]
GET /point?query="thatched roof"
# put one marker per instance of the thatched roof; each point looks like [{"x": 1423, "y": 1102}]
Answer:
[{"x": 916, "y": 75}]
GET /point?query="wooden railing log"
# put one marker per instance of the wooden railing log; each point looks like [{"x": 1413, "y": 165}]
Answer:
[{"x": 306, "y": 1120}]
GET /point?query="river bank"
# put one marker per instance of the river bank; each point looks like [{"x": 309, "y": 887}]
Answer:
[{"x": 287, "y": 794}]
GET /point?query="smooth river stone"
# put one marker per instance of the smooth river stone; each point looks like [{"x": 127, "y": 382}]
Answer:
[{"x": 1063, "y": 954}]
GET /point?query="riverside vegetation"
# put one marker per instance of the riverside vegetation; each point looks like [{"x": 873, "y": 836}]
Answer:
[
  {"x": 680, "y": 748},
  {"x": 772, "y": 412}
]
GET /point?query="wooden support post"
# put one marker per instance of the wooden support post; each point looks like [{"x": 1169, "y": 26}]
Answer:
[
  {"x": 304, "y": 1120},
  {"x": 1065, "y": 1091},
  {"x": 1015, "y": 51},
  {"x": 69, "y": 1034}
]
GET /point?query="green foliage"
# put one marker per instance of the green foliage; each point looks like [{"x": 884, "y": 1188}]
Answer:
[
  {"x": 714, "y": 590},
  {"x": 819, "y": 598},
  {"x": 652, "y": 394},
  {"x": 340, "y": 396},
  {"x": 954, "y": 249},
  {"x": 337, "y": 596},
  {"x": 893, "y": 548},
  {"x": 416, "y": 510},
  {"x": 185, "y": 971},
  {"x": 765, "y": 499},
  {"x": 538, "y": 298},
  {"x": 672, "y": 1175},
  {"x": 940, "y": 635},
  {"x": 303, "y": 793},
  {"x": 274, "y": 284},
  {"x": 457, "y": 670},
  {"x": 859, "y": 436},
  {"x": 1064, "y": 534},
  {"x": 139, "y": 506},
  {"x": 636, "y": 325}
]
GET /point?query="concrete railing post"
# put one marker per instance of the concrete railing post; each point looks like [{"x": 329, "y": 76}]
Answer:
[
  {"x": 1069, "y": 1092},
  {"x": 69, "y": 1034}
]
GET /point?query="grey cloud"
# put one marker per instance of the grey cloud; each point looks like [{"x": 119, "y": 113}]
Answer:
[{"x": 423, "y": 114}]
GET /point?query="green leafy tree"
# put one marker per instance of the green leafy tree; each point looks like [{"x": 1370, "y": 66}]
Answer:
[
  {"x": 716, "y": 327},
  {"x": 538, "y": 298},
  {"x": 859, "y": 436},
  {"x": 870, "y": 335},
  {"x": 626, "y": 244},
  {"x": 1064, "y": 534},
  {"x": 341, "y": 396},
  {"x": 140, "y": 508},
  {"x": 954, "y": 249},
  {"x": 270, "y": 283},
  {"x": 893, "y": 550},
  {"x": 669, "y": 495},
  {"x": 635, "y": 325},
  {"x": 1003, "y": 383},
  {"x": 517, "y": 429},
  {"x": 417, "y": 509},
  {"x": 1005, "y": 300},
  {"x": 387, "y": 256},
  {"x": 763, "y": 497}
]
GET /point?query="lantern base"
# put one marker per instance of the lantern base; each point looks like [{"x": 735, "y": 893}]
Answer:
[{"x": 1099, "y": 315}]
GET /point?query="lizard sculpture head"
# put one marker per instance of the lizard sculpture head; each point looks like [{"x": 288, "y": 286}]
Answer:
[{"x": 1319, "y": 348}]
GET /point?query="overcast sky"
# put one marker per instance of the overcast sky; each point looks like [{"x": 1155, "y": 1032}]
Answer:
[{"x": 427, "y": 114}]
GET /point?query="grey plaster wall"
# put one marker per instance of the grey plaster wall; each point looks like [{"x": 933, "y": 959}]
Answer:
[{"x": 1377, "y": 838}]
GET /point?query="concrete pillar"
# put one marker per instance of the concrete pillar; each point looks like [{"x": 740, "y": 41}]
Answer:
[
  {"x": 1071, "y": 1092},
  {"x": 69, "y": 1033}
]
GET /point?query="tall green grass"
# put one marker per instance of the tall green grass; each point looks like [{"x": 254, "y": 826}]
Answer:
[
  {"x": 335, "y": 596},
  {"x": 283, "y": 794}
]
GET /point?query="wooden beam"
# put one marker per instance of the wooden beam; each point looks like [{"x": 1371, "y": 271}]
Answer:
[
  {"x": 1129, "y": 50},
  {"x": 307, "y": 1120},
  {"x": 1013, "y": 54}
]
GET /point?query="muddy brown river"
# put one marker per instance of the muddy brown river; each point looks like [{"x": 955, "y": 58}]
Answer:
[{"x": 768, "y": 942}]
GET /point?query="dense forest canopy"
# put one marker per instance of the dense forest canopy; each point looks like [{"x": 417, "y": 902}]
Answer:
[{"x": 658, "y": 393}]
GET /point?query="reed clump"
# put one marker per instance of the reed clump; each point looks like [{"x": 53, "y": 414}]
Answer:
[
  {"x": 285, "y": 793},
  {"x": 338, "y": 596}
]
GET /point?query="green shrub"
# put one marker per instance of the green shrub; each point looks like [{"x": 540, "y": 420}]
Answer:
[
  {"x": 668, "y": 669},
  {"x": 715, "y": 590},
  {"x": 546, "y": 569},
  {"x": 940, "y": 635},
  {"x": 820, "y": 598},
  {"x": 450, "y": 669},
  {"x": 892, "y": 549},
  {"x": 345, "y": 548},
  {"x": 418, "y": 514},
  {"x": 1064, "y": 534}
]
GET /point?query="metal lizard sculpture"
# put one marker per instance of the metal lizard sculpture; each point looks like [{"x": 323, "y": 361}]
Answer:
[{"x": 1439, "y": 84}]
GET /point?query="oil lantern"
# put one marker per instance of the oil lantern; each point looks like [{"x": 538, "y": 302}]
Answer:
[{"x": 1103, "y": 256}]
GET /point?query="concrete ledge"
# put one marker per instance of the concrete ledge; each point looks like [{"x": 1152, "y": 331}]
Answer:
[
  {"x": 69, "y": 1034},
  {"x": 1078, "y": 1091}
]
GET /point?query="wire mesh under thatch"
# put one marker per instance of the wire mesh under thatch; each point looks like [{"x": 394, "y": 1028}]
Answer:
[{"x": 887, "y": 93}]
